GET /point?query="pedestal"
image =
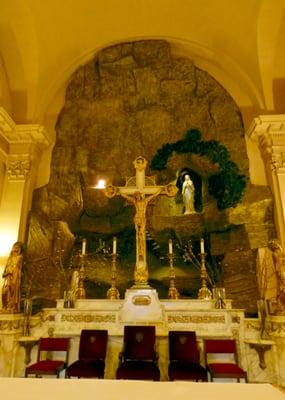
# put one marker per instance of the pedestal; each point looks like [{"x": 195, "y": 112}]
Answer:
[{"x": 28, "y": 343}]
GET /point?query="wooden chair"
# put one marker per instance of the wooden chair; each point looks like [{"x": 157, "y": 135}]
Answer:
[
  {"x": 138, "y": 360},
  {"x": 223, "y": 369},
  {"x": 46, "y": 363},
  {"x": 92, "y": 354},
  {"x": 184, "y": 357}
]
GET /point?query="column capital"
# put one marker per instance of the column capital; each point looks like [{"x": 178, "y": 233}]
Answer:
[
  {"x": 278, "y": 161},
  {"x": 269, "y": 127},
  {"x": 18, "y": 167},
  {"x": 269, "y": 131}
]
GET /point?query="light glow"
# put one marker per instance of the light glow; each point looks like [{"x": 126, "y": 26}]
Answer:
[
  {"x": 101, "y": 184},
  {"x": 7, "y": 239}
]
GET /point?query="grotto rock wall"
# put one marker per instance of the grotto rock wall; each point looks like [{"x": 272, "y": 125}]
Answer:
[{"x": 128, "y": 101}]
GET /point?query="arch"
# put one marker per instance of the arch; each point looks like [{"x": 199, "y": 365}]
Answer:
[
  {"x": 20, "y": 54},
  {"x": 268, "y": 31},
  {"x": 220, "y": 65},
  {"x": 5, "y": 95}
]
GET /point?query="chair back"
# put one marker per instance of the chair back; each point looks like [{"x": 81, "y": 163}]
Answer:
[
  {"x": 93, "y": 344},
  {"x": 53, "y": 344},
  {"x": 183, "y": 346},
  {"x": 220, "y": 346},
  {"x": 139, "y": 342}
]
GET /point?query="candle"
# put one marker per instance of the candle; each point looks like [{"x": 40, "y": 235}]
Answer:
[
  {"x": 170, "y": 246},
  {"x": 84, "y": 241},
  {"x": 202, "y": 246},
  {"x": 114, "y": 245}
]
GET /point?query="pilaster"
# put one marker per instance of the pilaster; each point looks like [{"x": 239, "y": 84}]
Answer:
[
  {"x": 269, "y": 131},
  {"x": 20, "y": 150}
]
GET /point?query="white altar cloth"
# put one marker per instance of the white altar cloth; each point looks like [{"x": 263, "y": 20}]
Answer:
[{"x": 74, "y": 389}]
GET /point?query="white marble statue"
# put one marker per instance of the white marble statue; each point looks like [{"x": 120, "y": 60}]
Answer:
[{"x": 188, "y": 191}]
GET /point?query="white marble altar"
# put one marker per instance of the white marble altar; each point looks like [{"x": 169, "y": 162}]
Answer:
[{"x": 183, "y": 314}]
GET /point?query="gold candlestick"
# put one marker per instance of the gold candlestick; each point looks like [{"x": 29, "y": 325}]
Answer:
[
  {"x": 113, "y": 292},
  {"x": 204, "y": 293},
  {"x": 172, "y": 291},
  {"x": 81, "y": 293}
]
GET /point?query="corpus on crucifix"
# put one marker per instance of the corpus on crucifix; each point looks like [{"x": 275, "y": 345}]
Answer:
[{"x": 140, "y": 191}]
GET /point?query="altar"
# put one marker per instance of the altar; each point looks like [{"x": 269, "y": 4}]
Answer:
[
  {"x": 198, "y": 315},
  {"x": 260, "y": 358}
]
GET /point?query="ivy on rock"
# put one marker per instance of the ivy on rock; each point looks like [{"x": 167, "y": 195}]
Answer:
[{"x": 227, "y": 185}]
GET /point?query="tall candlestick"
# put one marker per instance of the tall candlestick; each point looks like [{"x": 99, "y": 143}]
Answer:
[
  {"x": 114, "y": 245},
  {"x": 202, "y": 249},
  {"x": 170, "y": 246},
  {"x": 84, "y": 241}
]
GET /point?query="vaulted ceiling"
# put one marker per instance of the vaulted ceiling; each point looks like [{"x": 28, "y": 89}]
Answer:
[{"x": 239, "y": 42}]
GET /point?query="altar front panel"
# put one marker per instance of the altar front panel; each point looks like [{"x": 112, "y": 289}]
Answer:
[{"x": 71, "y": 389}]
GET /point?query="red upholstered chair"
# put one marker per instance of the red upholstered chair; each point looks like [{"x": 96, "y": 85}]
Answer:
[
  {"x": 92, "y": 354},
  {"x": 138, "y": 360},
  {"x": 48, "y": 362},
  {"x": 223, "y": 369},
  {"x": 184, "y": 357}
]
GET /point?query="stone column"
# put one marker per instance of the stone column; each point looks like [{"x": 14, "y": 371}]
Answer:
[
  {"x": 269, "y": 130},
  {"x": 20, "y": 150}
]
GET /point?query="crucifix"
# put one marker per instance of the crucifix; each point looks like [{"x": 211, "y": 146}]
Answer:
[{"x": 140, "y": 190}]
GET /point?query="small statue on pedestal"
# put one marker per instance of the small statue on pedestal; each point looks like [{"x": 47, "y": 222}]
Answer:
[
  {"x": 188, "y": 191},
  {"x": 12, "y": 278},
  {"x": 279, "y": 264}
]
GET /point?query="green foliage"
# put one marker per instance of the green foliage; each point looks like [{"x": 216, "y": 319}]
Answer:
[{"x": 226, "y": 186}]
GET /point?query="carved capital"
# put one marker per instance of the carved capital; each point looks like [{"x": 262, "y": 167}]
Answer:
[
  {"x": 18, "y": 168},
  {"x": 278, "y": 161},
  {"x": 269, "y": 130}
]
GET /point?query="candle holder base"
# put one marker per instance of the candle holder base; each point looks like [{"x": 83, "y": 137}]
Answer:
[
  {"x": 113, "y": 293},
  {"x": 205, "y": 294},
  {"x": 173, "y": 293}
]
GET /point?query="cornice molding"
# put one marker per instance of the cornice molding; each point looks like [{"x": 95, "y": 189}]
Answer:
[
  {"x": 269, "y": 131},
  {"x": 272, "y": 127},
  {"x": 12, "y": 135}
]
